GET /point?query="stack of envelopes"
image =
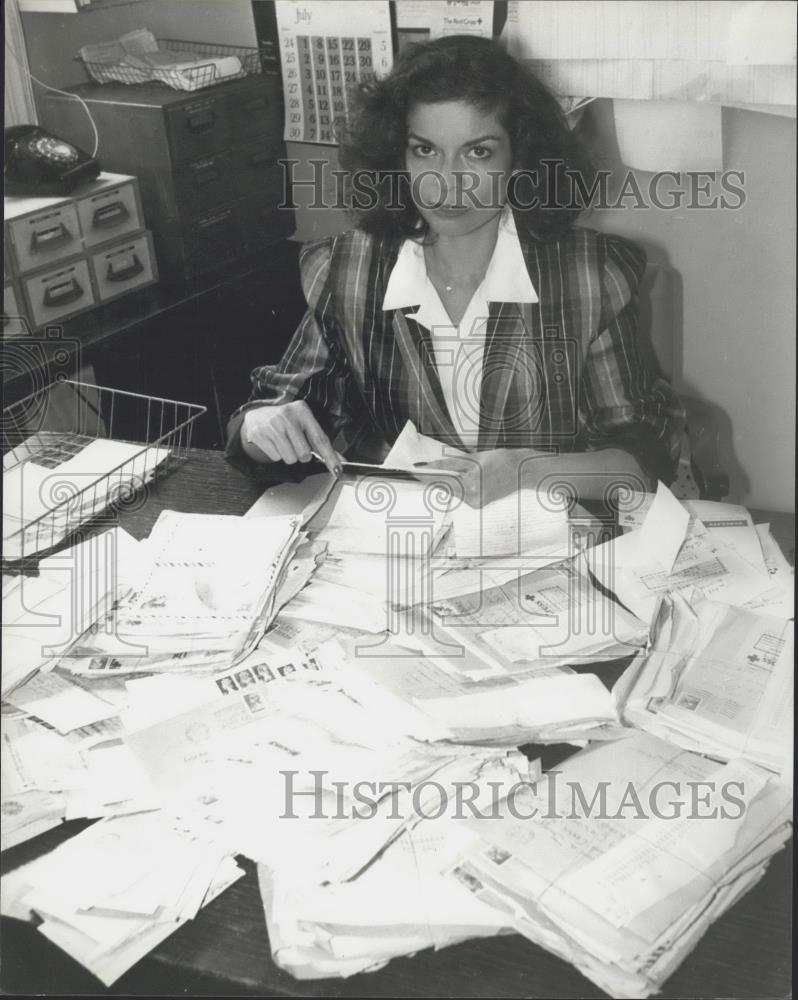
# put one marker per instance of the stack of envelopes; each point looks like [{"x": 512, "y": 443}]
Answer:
[{"x": 622, "y": 859}]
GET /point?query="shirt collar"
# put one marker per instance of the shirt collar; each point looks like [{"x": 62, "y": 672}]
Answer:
[{"x": 506, "y": 278}]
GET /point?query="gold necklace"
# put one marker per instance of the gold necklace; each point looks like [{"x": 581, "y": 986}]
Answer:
[{"x": 452, "y": 282}]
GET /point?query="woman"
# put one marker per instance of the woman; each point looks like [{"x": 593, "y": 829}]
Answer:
[{"x": 465, "y": 300}]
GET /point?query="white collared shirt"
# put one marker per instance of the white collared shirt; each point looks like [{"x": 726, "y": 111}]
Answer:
[{"x": 459, "y": 349}]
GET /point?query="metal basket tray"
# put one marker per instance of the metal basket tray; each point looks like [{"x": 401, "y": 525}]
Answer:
[
  {"x": 55, "y": 424},
  {"x": 195, "y": 78}
]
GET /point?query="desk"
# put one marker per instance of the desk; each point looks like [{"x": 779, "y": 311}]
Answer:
[{"x": 225, "y": 950}]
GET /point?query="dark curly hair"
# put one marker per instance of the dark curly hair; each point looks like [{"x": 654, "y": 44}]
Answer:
[{"x": 458, "y": 68}]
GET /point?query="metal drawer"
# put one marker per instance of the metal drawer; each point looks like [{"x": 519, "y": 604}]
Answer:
[
  {"x": 202, "y": 185},
  {"x": 123, "y": 267},
  {"x": 255, "y": 109},
  {"x": 199, "y": 127},
  {"x": 45, "y": 237},
  {"x": 60, "y": 292},
  {"x": 257, "y": 172},
  {"x": 109, "y": 214}
]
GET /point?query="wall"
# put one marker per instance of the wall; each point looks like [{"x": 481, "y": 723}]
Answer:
[{"x": 736, "y": 268}]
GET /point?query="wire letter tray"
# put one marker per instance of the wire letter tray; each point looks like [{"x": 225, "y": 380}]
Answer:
[
  {"x": 58, "y": 477},
  {"x": 191, "y": 77}
]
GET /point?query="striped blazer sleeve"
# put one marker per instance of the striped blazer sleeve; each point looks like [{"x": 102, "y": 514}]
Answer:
[
  {"x": 624, "y": 403},
  {"x": 313, "y": 368}
]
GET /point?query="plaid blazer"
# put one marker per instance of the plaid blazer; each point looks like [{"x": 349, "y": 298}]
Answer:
[{"x": 565, "y": 373}]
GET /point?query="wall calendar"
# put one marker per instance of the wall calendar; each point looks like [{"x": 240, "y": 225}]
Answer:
[{"x": 325, "y": 49}]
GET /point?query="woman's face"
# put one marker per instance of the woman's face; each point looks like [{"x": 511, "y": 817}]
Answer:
[{"x": 459, "y": 159}]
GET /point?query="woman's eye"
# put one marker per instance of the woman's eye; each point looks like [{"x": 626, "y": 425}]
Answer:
[
  {"x": 422, "y": 149},
  {"x": 480, "y": 152}
]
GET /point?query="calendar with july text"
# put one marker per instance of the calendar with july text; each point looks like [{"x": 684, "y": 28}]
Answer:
[{"x": 320, "y": 63}]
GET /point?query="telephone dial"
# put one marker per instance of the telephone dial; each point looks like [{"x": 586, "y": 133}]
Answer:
[{"x": 36, "y": 162}]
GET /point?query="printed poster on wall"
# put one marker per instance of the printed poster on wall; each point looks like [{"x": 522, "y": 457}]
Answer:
[{"x": 325, "y": 48}]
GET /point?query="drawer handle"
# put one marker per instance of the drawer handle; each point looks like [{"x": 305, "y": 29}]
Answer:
[
  {"x": 201, "y": 122},
  {"x": 124, "y": 273},
  {"x": 111, "y": 215},
  {"x": 206, "y": 174},
  {"x": 46, "y": 239},
  {"x": 65, "y": 291}
]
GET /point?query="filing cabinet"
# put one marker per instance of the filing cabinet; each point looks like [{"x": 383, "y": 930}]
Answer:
[
  {"x": 41, "y": 231},
  {"x": 69, "y": 254},
  {"x": 206, "y": 162}
]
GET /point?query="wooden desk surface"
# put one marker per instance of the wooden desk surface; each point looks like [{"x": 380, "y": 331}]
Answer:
[{"x": 225, "y": 950}]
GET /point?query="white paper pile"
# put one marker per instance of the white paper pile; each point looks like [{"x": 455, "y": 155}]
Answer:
[
  {"x": 673, "y": 551},
  {"x": 308, "y": 745},
  {"x": 547, "y": 618},
  {"x": 400, "y": 905},
  {"x": 348, "y": 720},
  {"x": 398, "y": 902},
  {"x": 44, "y": 615},
  {"x": 623, "y": 858},
  {"x": 112, "y": 893},
  {"x": 434, "y": 702},
  {"x": 716, "y": 679},
  {"x": 43, "y": 504},
  {"x": 204, "y": 591}
]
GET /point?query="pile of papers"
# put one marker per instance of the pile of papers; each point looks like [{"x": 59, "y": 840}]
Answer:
[
  {"x": 339, "y": 695},
  {"x": 44, "y": 614},
  {"x": 204, "y": 589},
  {"x": 675, "y": 551},
  {"x": 715, "y": 679},
  {"x": 435, "y": 702},
  {"x": 622, "y": 859},
  {"x": 111, "y": 894},
  {"x": 43, "y": 503},
  {"x": 543, "y": 619},
  {"x": 400, "y": 905}
]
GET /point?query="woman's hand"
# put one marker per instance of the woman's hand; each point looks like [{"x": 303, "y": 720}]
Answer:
[
  {"x": 490, "y": 475},
  {"x": 288, "y": 433}
]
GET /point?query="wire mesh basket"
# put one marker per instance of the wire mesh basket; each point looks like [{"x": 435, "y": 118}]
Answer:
[
  {"x": 219, "y": 67},
  {"x": 73, "y": 451}
]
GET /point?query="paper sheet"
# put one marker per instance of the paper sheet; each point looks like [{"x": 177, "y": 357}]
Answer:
[
  {"x": 763, "y": 32},
  {"x": 517, "y": 523},
  {"x": 664, "y": 528},
  {"x": 616, "y": 29},
  {"x": 60, "y": 702},
  {"x": 455, "y": 17},
  {"x": 668, "y": 135},
  {"x": 375, "y": 516},
  {"x": 411, "y": 447}
]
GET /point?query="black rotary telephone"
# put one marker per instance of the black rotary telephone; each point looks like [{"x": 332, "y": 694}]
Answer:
[{"x": 36, "y": 162}]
